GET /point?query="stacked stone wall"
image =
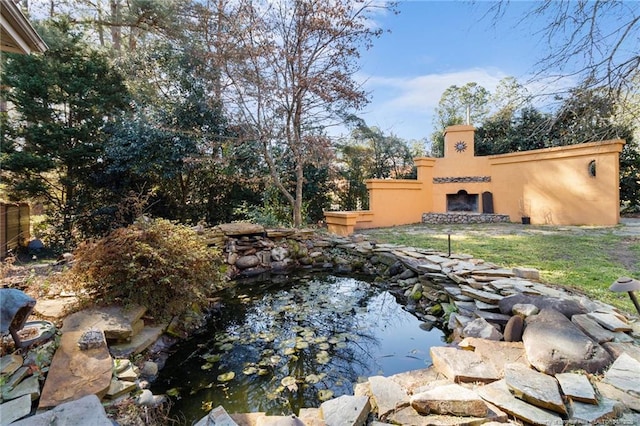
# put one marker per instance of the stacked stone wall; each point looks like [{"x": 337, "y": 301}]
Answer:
[{"x": 459, "y": 217}]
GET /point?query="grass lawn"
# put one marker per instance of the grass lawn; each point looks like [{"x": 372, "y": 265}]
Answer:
[{"x": 584, "y": 258}]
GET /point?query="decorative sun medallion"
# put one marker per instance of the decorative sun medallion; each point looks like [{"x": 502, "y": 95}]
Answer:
[{"x": 461, "y": 146}]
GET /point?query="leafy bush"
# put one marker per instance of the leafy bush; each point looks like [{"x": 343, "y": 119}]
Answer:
[{"x": 155, "y": 263}]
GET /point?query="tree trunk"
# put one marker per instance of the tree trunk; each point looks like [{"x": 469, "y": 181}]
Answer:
[{"x": 116, "y": 29}]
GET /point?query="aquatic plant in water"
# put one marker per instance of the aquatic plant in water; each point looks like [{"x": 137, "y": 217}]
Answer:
[{"x": 280, "y": 349}]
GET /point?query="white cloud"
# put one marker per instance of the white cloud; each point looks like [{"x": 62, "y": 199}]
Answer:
[{"x": 405, "y": 105}]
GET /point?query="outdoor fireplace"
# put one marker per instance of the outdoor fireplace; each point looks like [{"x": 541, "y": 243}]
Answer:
[{"x": 462, "y": 201}]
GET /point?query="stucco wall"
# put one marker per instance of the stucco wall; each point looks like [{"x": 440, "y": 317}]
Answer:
[
  {"x": 551, "y": 186},
  {"x": 556, "y": 185}
]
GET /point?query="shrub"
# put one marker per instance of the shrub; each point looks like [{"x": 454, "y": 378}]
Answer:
[{"x": 155, "y": 263}]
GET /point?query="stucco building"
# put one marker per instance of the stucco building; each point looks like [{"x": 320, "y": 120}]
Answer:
[{"x": 568, "y": 185}]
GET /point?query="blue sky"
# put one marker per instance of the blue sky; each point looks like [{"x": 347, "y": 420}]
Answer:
[{"x": 433, "y": 45}]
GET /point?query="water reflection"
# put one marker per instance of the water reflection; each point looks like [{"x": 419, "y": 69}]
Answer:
[{"x": 278, "y": 348}]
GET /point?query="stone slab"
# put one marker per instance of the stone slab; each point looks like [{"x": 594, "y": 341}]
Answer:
[
  {"x": 483, "y": 296},
  {"x": 278, "y": 421},
  {"x": 409, "y": 416},
  {"x": 527, "y": 273},
  {"x": 606, "y": 411},
  {"x": 479, "y": 327},
  {"x": 9, "y": 364},
  {"x": 502, "y": 273},
  {"x": 486, "y": 306},
  {"x": 612, "y": 392},
  {"x": 239, "y": 228},
  {"x": 462, "y": 366},
  {"x": 17, "y": 377},
  {"x": 346, "y": 410},
  {"x": 577, "y": 387},
  {"x": 29, "y": 386},
  {"x": 85, "y": 411},
  {"x": 114, "y": 321},
  {"x": 493, "y": 317},
  {"x": 14, "y": 409},
  {"x": 412, "y": 380},
  {"x": 592, "y": 328},
  {"x": 54, "y": 308},
  {"x": 616, "y": 349},
  {"x": 138, "y": 343},
  {"x": 624, "y": 374},
  {"x": 535, "y": 388},
  {"x": 498, "y": 393},
  {"x": 498, "y": 354},
  {"x": 74, "y": 373},
  {"x": 450, "y": 399},
  {"x": 218, "y": 417},
  {"x": 311, "y": 417},
  {"x": 610, "y": 321},
  {"x": 245, "y": 419},
  {"x": 119, "y": 388},
  {"x": 387, "y": 395}
]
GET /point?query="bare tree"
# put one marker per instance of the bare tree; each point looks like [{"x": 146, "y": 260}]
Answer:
[
  {"x": 595, "y": 41},
  {"x": 290, "y": 68}
]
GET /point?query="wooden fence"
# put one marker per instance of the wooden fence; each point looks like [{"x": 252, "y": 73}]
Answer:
[{"x": 14, "y": 226}]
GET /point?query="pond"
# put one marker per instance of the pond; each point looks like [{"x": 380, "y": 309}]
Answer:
[{"x": 279, "y": 347}]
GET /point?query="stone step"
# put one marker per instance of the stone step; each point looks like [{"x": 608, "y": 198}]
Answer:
[
  {"x": 115, "y": 321},
  {"x": 74, "y": 373}
]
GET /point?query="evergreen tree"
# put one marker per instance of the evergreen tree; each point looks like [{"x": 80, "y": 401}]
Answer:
[{"x": 64, "y": 100}]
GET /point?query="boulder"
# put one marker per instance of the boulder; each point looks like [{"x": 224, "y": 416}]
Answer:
[
  {"x": 556, "y": 345},
  {"x": 479, "y": 327},
  {"x": 246, "y": 262},
  {"x": 514, "y": 328},
  {"x": 568, "y": 307}
]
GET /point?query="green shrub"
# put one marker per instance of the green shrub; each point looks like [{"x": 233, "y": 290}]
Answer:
[{"x": 155, "y": 263}]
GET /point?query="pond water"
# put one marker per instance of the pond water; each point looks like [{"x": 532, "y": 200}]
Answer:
[{"x": 279, "y": 347}]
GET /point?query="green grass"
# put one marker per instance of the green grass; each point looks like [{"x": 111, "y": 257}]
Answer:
[{"x": 585, "y": 259}]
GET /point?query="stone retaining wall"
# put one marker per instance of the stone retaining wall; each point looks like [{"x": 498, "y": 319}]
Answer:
[{"x": 458, "y": 217}]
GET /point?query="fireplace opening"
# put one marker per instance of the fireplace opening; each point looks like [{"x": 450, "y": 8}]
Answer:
[{"x": 462, "y": 201}]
